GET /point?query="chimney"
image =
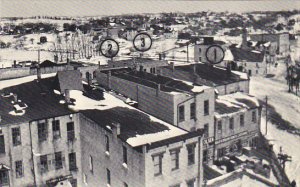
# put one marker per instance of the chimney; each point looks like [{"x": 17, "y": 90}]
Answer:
[
  {"x": 15, "y": 98},
  {"x": 194, "y": 68},
  {"x": 228, "y": 69},
  {"x": 67, "y": 96},
  {"x": 38, "y": 72},
  {"x": 244, "y": 39},
  {"x": 116, "y": 129},
  {"x": 157, "y": 89},
  {"x": 15, "y": 63},
  {"x": 172, "y": 66},
  {"x": 108, "y": 80},
  {"x": 99, "y": 65}
]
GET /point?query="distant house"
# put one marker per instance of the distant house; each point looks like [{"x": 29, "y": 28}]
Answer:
[
  {"x": 168, "y": 33},
  {"x": 131, "y": 33}
]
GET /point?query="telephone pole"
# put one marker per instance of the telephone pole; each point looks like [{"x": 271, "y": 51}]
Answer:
[{"x": 266, "y": 115}]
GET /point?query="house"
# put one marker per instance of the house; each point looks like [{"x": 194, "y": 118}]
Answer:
[
  {"x": 168, "y": 33},
  {"x": 130, "y": 33}
]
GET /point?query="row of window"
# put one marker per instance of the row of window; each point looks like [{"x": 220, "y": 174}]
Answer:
[
  {"x": 108, "y": 178},
  {"x": 242, "y": 121},
  {"x": 124, "y": 149},
  {"x": 43, "y": 131},
  {"x": 45, "y": 161},
  {"x": 193, "y": 111},
  {"x": 157, "y": 159}
]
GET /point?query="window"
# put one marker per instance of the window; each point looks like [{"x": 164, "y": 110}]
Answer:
[
  {"x": 43, "y": 163},
  {"x": 70, "y": 131},
  {"x": 124, "y": 155},
  {"x": 242, "y": 120},
  {"x": 220, "y": 126},
  {"x": 42, "y": 132},
  {"x": 72, "y": 162},
  {"x": 205, "y": 130},
  {"x": 191, "y": 183},
  {"x": 58, "y": 160},
  {"x": 205, "y": 155},
  {"x": 125, "y": 184},
  {"x": 231, "y": 124},
  {"x": 56, "y": 129},
  {"x": 200, "y": 59},
  {"x": 221, "y": 152},
  {"x": 19, "y": 169},
  {"x": 108, "y": 176},
  {"x": 191, "y": 154},
  {"x": 91, "y": 164},
  {"x": 2, "y": 144},
  {"x": 193, "y": 110},
  {"x": 206, "y": 107},
  {"x": 175, "y": 159},
  {"x": 106, "y": 143},
  {"x": 254, "y": 116},
  {"x": 181, "y": 113},
  {"x": 157, "y": 160},
  {"x": 4, "y": 180},
  {"x": 16, "y": 136},
  {"x": 85, "y": 178}
]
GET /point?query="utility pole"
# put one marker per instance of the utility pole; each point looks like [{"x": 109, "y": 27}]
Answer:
[
  {"x": 266, "y": 115},
  {"x": 187, "y": 52}
]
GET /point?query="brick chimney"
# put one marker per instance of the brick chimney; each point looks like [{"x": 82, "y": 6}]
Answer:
[
  {"x": 157, "y": 89},
  {"x": 38, "y": 72},
  {"x": 244, "y": 39},
  {"x": 67, "y": 96},
  {"x": 108, "y": 80},
  {"x": 116, "y": 129}
]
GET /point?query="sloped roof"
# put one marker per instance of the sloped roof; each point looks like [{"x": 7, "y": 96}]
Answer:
[{"x": 245, "y": 55}]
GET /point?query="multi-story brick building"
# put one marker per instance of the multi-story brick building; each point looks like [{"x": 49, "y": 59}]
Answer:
[
  {"x": 237, "y": 123},
  {"x": 179, "y": 103},
  {"x": 51, "y": 135}
]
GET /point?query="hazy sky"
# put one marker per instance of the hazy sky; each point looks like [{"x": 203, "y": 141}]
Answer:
[{"x": 112, "y": 7}]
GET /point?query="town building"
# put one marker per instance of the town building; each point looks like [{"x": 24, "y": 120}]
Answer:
[
  {"x": 202, "y": 45},
  {"x": 58, "y": 130},
  {"x": 237, "y": 124},
  {"x": 281, "y": 39},
  {"x": 180, "y": 103},
  {"x": 223, "y": 80}
]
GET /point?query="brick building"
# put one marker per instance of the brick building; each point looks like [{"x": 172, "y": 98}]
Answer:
[
  {"x": 180, "y": 103},
  {"x": 57, "y": 130},
  {"x": 237, "y": 123}
]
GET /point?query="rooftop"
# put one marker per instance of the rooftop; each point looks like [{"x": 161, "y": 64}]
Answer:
[
  {"x": 151, "y": 80},
  {"x": 205, "y": 75},
  {"x": 234, "y": 103},
  {"x": 43, "y": 101},
  {"x": 246, "y": 55}
]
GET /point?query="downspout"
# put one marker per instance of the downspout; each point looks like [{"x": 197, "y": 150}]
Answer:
[
  {"x": 33, "y": 171},
  {"x": 199, "y": 181}
]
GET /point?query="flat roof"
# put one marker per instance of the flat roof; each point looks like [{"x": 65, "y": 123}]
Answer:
[
  {"x": 234, "y": 103},
  {"x": 137, "y": 127},
  {"x": 151, "y": 80},
  {"x": 205, "y": 75}
]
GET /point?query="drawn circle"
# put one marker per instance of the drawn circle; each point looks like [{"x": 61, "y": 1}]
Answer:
[
  {"x": 142, "y": 42},
  {"x": 109, "y": 48},
  {"x": 215, "y": 54}
]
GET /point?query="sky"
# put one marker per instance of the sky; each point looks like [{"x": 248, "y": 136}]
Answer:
[{"x": 25, "y": 8}]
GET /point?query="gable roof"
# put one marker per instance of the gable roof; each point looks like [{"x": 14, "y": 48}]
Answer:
[{"x": 245, "y": 55}]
